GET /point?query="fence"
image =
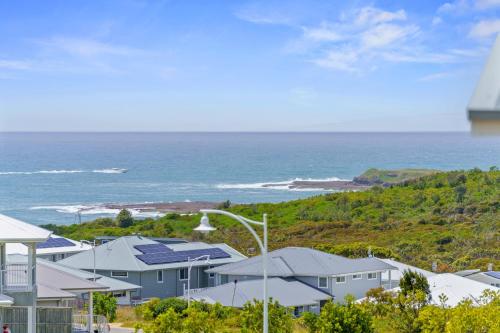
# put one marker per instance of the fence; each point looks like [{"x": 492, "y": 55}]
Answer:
[
  {"x": 14, "y": 277},
  {"x": 49, "y": 320},
  {"x": 80, "y": 323}
]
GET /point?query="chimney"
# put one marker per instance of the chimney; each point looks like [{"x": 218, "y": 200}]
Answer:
[
  {"x": 490, "y": 267},
  {"x": 434, "y": 266}
]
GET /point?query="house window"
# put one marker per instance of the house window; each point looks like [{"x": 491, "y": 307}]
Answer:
[
  {"x": 211, "y": 275},
  {"x": 120, "y": 294},
  {"x": 357, "y": 276},
  {"x": 340, "y": 279},
  {"x": 119, "y": 274},
  {"x": 159, "y": 276},
  {"x": 322, "y": 282},
  {"x": 183, "y": 274},
  {"x": 372, "y": 276},
  {"x": 297, "y": 311}
]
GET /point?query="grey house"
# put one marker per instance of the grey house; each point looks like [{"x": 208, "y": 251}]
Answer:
[
  {"x": 160, "y": 270},
  {"x": 289, "y": 292},
  {"x": 332, "y": 274}
]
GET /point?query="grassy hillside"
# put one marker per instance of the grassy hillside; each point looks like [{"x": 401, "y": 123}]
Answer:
[{"x": 451, "y": 217}]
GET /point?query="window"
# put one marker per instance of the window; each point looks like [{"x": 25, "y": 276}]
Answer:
[
  {"x": 340, "y": 279},
  {"x": 297, "y": 311},
  {"x": 120, "y": 294},
  {"x": 183, "y": 274},
  {"x": 211, "y": 275},
  {"x": 159, "y": 276},
  {"x": 322, "y": 282},
  {"x": 372, "y": 276},
  {"x": 119, "y": 274},
  {"x": 357, "y": 276}
]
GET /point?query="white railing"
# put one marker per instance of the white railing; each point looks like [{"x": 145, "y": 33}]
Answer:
[
  {"x": 193, "y": 290},
  {"x": 15, "y": 278},
  {"x": 80, "y": 323}
]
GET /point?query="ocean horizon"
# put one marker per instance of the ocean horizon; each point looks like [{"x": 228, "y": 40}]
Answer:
[{"x": 47, "y": 177}]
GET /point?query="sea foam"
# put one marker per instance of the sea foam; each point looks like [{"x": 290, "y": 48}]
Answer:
[
  {"x": 110, "y": 170},
  {"x": 279, "y": 185}
]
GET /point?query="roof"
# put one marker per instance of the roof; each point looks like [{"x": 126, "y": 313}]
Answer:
[
  {"x": 493, "y": 274},
  {"x": 47, "y": 292},
  {"x": 6, "y": 300},
  {"x": 111, "y": 283},
  {"x": 397, "y": 274},
  {"x": 121, "y": 254},
  {"x": 164, "y": 240},
  {"x": 485, "y": 102},
  {"x": 52, "y": 277},
  {"x": 467, "y": 272},
  {"x": 456, "y": 288},
  {"x": 48, "y": 247},
  {"x": 16, "y": 231},
  {"x": 300, "y": 261},
  {"x": 288, "y": 292}
]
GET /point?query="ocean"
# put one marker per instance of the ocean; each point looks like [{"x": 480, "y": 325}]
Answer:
[{"x": 49, "y": 177}]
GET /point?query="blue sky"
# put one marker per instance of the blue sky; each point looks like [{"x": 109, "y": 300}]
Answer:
[{"x": 241, "y": 65}]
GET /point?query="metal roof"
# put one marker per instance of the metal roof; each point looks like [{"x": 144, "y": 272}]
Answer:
[
  {"x": 16, "y": 231},
  {"x": 58, "y": 279},
  {"x": 76, "y": 246},
  {"x": 300, "y": 261},
  {"x": 288, "y": 292},
  {"x": 47, "y": 292},
  {"x": 111, "y": 283},
  {"x": 485, "y": 102},
  {"x": 120, "y": 255}
]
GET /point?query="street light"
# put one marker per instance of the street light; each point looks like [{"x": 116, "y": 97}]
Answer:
[
  {"x": 205, "y": 227},
  {"x": 90, "y": 322},
  {"x": 191, "y": 263}
]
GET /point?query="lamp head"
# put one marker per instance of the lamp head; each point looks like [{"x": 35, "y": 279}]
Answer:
[{"x": 204, "y": 226}]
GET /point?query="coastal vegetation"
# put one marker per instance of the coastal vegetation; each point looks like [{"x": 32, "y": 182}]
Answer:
[
  {"x": 406, "y": 311},
  {"x": 450, "y": 218}
]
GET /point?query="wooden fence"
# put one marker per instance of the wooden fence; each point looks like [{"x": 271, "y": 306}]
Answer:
[{"x": 49, "y": 320}]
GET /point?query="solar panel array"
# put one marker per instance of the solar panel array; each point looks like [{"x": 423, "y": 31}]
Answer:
[
  {"x": 169, "y": 257},
  {"x": 54, "y": 242},
  {"x": 152, "y": 248},
  {"x": 493, "y": 274}
]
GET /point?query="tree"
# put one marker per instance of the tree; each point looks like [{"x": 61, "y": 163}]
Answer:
[
  {"x": 105, "y": 305},
  {"x": 280, "y": 319},
  {"x": 344, "y": 318},
  {"x": 413, "y": 281},
  {"x": 124, "y": 219},
  {"x": 406, "y": 311}
]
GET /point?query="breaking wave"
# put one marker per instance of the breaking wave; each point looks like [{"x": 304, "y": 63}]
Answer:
[
  {"x": 96, "y": 210},
  {"x": 282, "y": 185},
  {"x": 110, "y": 170}
]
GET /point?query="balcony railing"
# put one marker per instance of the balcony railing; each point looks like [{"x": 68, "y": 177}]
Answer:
[{"x": 15, "y": 278}]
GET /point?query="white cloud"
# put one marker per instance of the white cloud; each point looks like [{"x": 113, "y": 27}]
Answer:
[
  {"x": 435, "y": 76},
  {"x": 455, "y": 7},
  {"x": 88, "y": 47},
  {"x": 437, "y": 20},
  {"x": 485, "y": 28},
  {"x": 485, "y": 4},
  {"x": 371, "y": 15},
  {"x": 416, "y": 57},
  {"x": 324, "y": 32},
  {"x": 15, "y": 64},
  {"x": 339, "y": 60},
  {"x": 385, "y": 34}
]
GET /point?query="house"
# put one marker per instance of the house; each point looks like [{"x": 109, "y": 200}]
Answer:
[
  {"x": 161, "y": 270},
  {"x": 397, "y": 274},
  {"x": 484, "y": 105},
  {"x": 18, "y": 282},
  {"x": 121, "y": 290},
  {"x": 54, "y": 248},
  {"x": 332, "y": 274},
  {"x": 489, "y": 277},
  {"x": 455, "y": 288},
  {"x": 289, "y": 292}
]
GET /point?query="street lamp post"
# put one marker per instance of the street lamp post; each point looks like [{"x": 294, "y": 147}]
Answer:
[
  {"x": 191, "y": 263},
  {"x": 205, "y": 227},
  {"x": 90, "y": 322}
]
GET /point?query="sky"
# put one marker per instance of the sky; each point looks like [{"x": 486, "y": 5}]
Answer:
[{"x": 187, "y": 65}]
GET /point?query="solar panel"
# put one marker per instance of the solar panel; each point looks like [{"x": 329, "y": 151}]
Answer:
[
  {"x": 152, "y": 248},
  {"x": 493, "y": 274},
  {"x": 54, "y": 242},
  {"x": 180, "y": 256}
]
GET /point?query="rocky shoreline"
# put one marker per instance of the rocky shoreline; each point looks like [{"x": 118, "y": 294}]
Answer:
[{"x": 184, "y": 207}]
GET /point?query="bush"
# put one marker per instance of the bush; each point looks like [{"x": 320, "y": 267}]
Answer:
[
  {"x": 105, "y": 305},
  {"x": 124, "y": 219},
  {"x": 412, "y": 282},
  {"x": 347, "y": 318},
  {"x": 280, "y": 319}
]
